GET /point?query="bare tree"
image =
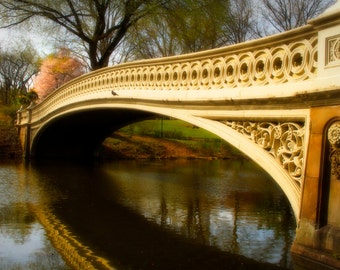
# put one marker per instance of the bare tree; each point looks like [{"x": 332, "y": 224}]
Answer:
[
  {"x": 182, "y": 26},
  {"x": 198, "y": 24},
  {"x": 151, "y": 38},
  {"x": 100, "y": 25},
  {"x": 17, "y": 67},
  {"x": 284, "y": 15},
  {"x": 240, "y": 26}
]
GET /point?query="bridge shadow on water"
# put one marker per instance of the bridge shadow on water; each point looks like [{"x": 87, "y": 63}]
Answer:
[
  {"x": 131, "y": 242},
  {"x": 127, "y": 239}
]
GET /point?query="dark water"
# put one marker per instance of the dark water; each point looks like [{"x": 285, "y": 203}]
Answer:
[{"x": 143, "y": 215}]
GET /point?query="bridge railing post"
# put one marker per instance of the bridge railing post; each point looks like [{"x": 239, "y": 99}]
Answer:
[
  {"x": 23, "y": 120},
  {"x": 328, "y": 26}
]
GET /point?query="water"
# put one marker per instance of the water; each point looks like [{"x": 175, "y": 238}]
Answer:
[
  {"x": 23, "y": 240},
  {"x": 185, "y": 214}
]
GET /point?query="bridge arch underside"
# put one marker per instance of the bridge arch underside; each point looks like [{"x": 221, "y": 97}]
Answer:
[{"x": 79, "y": 134}]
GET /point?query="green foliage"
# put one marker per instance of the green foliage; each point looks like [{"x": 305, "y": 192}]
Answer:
[
  {"x": 8, "y": 114},
  {"x": 196, "y": 139},
  {"x": 27, "y": 98},
  {"x": 175, "y": 129},
  {"x": 336, "y": 256},
  {"x": 198, "y": 25}
]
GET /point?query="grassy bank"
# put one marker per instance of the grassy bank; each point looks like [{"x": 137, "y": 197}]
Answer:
[{"x": 166, "y": 139}]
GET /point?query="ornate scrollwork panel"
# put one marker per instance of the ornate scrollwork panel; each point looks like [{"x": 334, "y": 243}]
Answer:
[
  {"x": 333, "y": 49},
  {"x": 284, "y": 141},
  {"x": 334, "y": 142}
]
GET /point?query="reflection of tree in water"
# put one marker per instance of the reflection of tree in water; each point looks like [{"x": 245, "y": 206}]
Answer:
[
  {"x": 47, "y": 259},
  {"x": 191, "y": 225},
  {"x": 19, "y": 217},
  {"x": 14, "y": 205},
  {"x": 287, "y": 220},
  {"x": 195, "y": 223},
  {"x": 19, "y": 228},
  {"x": 234, "y": 246},
  {"x": 164, "y": 212},
  {"x": 254, "y": 223},
  {"x": 273, "y": 215}
]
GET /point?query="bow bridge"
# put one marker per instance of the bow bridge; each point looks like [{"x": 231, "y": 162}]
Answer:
[{"x": 276, "y": 99}]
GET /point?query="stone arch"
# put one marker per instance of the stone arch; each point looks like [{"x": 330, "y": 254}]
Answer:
[
  {"x": 249, "y": 148},
  {"x": 76, "y": 133}
]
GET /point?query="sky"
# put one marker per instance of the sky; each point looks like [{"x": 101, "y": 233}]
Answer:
[{"x": 11, "y": 38}]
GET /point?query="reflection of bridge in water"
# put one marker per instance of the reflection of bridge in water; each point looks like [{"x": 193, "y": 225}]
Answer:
[
  {"x": 276, "y": 99},
  {"x": 74, "y": 253}
]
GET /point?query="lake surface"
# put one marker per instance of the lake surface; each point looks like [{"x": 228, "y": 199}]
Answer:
[{"x": 174, "y": 214}]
